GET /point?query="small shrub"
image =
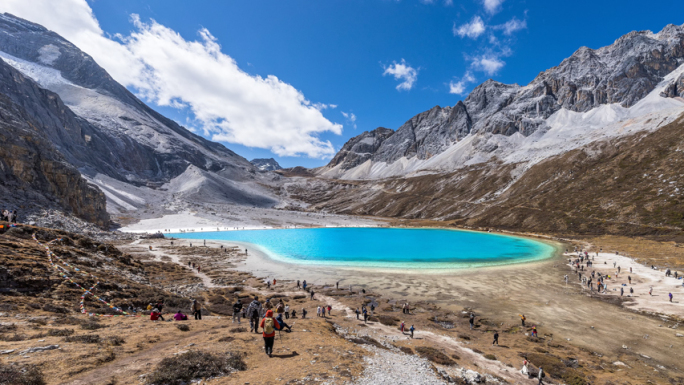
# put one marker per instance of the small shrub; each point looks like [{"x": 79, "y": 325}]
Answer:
[
  {"x": 478, "y": 351},
  {"x": 85, "y": 339},
  {"x": 60, "y": 332},
  {"x": 38, "y": 321},
  {"x": 490, "y": 356},
  {"x": 106, "y": 356},
  {"x": 91, "y": 325},
  {"x": 434, "y": 355},
  {"x": 183, "y": 327},
  {"x": 195, "y": 364},
  {"x": 388, "y": 320},
  {"x": 238, "y": 330},
  {"x": 55, "y": 309},
  {"x": 8, "y": 328},
  {"x": 226, "y": 339},
  {"x": 27, "y": 375},
  {"x": 12, "y": 338},
  {"x": 464, "y": 337},
  {"x": 406, "y": 350},
  {"x": 114, "y": 340}
]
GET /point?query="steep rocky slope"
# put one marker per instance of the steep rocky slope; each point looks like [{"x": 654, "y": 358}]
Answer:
[
  {"x": 495, "y": 118},
  {"x": 33, "y": 171},
  {"x": 136, "y": 156},
  {"x": 263, "y": 164}
]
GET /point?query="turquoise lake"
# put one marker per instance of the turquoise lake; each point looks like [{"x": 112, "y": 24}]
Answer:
[{"x": 385, "y": 247}]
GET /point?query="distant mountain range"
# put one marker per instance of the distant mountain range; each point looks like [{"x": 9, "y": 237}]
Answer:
[{"x": 594, "y": 145}]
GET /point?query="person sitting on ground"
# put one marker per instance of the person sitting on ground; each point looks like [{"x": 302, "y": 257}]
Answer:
[
  {"x": 269, "y": 325},
  {"x": 294, "y": 313},
  {"x": 155, "y": 315},
  {"x": 179, "y": 316},
  {"x": 280, "y": 307},
  {"x": 282, "y": 323},
  {"x": 524, "y": 369},
  {"x": 150, "y": 306}
]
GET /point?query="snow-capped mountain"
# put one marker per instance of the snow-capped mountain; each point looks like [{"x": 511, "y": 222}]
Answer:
[
  {"x": 116, "y": 141},
  {"x": 264, "y": 164},
  {"x": 562, "y": 108}
]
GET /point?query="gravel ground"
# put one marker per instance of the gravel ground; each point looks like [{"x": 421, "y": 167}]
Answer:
[{"x": 386, "y": 367}]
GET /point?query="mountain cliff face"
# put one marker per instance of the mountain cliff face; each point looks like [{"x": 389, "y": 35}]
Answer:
[
  {"x": 620, "y": 74},
  {"x": 33, "y": 171},
  {"x": 136, "y": 156}
]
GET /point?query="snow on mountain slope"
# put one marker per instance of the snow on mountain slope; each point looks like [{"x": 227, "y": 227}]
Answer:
[{"x": 565, "y": 130}]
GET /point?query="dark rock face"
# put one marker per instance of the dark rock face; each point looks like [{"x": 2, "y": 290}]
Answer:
[
  {"x": 269, "y": 164},
  {"x": 623, "y": 73},
  {"x": 674, "y": 89},
  {"x": 360, "y": 148},
  {"x": 32, "y": 170}
]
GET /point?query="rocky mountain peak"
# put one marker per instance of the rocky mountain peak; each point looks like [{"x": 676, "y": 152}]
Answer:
[{"x": 263, "y": 164}]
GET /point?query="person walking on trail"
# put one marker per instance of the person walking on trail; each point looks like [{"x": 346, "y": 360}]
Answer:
[
  {"x": 412, "y": 329},
  {"x": 318, "y": 311},
  {"x": 622, "y": 291},
  {"x": 304, "y": 284},
  {"x": 282, "y": 323},
  {"x": 629, "y": 278},
  {"x": 237, "y": 310},
  {"x": 304, "y": 313},
  {"x": 650, "y": 291},
  {"x": 253, "y": 312},
  {"x": 274, "y": 281},
  {"x": 670, "y": 295},
  {"x": 524, "y": 369},
  {"x": 330, "y": 308},
  {"x": 312, "y": 294},
  {"x": 338, "y": 285},
  {"x": 287, "y": 311},
  {"x": 541, "y": 375},
  {"x": 401, "y": 327},
  {"x": 269, "y": 325},
  {"x": 298, "y": 284},
  {"x": 196, "y": 310},
  {"x": 534, "y": 331},
  {"x": 357, "y": 313},
  {"x": 365, "y": 315},
  {"x": 496, "y": 338},
  {"x": 522, "y": 319},
  {"x": 472, "y": 321}
]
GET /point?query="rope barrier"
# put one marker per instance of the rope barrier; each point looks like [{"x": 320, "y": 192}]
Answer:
[{"x": 64, "y": 273}]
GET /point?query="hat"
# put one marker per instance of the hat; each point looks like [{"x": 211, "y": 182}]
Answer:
[{"x": 269, "y": 313}]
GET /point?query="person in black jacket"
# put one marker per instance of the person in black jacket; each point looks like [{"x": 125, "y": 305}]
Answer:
[
  {"x": 237, "y": 310},
  {"x": 254, "y": 312}
]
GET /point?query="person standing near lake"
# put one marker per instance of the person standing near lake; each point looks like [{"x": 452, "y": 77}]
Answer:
[
  {"x": 287, "y": 311},
  {"x": 312, "y": 294},
  {"x": 472, "y": 321},
  {"x": 670, "y": 297}
]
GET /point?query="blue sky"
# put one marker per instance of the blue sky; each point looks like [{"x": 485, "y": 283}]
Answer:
[{"x": 344, "y": 54}]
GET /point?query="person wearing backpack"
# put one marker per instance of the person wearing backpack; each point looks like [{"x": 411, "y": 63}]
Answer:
[
  {"x": 196, "y": 310},
  {"x": 269, "y": 325},
  {"x": 253, "y": 312},
  {"x": 237, "y": 309}
]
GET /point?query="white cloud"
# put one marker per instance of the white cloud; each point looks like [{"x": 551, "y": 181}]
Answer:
[
  {"x": 402, "y": 71},
  {"x": 227, "y": 103},
  {"x": 512, "y": 25},
  {"x": 492, "y": 6},
  {"x": 473, "y": 29},
  {"x": 459, "y": 87},
  {"x": 488, "y": 64},
  {"x": 351, "y": 118}
]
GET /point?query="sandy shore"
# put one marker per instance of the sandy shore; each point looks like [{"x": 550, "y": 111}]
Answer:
[{"x": 644, "y": 278}]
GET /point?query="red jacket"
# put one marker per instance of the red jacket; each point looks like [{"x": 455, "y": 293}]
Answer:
[
  {"x": 276, "y": 325},
  {"x": 154, "y": 315}
]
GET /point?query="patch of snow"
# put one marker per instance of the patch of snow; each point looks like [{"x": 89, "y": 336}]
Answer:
[{"x": 48, "y": 54}]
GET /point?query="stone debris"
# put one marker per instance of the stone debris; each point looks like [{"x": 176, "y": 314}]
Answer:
[
  {"x": 387, "y": 367},
  {"x": 39, "y": 349},
  {"x": 7, "y": 351}
]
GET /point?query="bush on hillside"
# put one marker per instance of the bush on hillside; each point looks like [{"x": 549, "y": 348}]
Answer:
[{"x": 195, "y": 364}]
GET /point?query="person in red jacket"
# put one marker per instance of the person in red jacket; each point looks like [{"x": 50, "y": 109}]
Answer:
[{"x": 269, "y": 325}]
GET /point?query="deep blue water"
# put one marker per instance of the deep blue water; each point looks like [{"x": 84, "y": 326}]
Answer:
[{"x": 385, "y": 247}]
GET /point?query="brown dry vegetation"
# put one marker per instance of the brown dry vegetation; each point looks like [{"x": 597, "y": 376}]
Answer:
[{"x": 626, "y": 186}]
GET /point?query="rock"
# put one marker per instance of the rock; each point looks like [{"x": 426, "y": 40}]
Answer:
[
  {"x": 7, "y": 351},
  {"x": 679, "y": 335},
  {"x": 38, "y": 349}
]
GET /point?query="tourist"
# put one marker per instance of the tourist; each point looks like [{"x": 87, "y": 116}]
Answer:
[
  {"x": 401, "y": 327},
  {"x": 472, "y": 321},
  {"x": 274, "y": 281},
  {"x": 412, "y": 329},
  {"x": 312, "y": 294},
  {"x": 303, "y": 313},
  {"x": 338, "y": 285},
  {"x": 629, "y": 278},
  {"x": 304, "y": 284},
  {"x": 179, "y": 316},
  {"x": 269, "y": 326},
  {"x": 541, "y": 375},
  {"x": 373, "y": 309},
  {"x": 650, "y": 291},
  {"x": 524, "y": 369},
  {"x": 253, "y": 312},
  {"x": 631, "y": 290},
  {"x": 534, "y": 332},
  {"x": 622, "y": 291},
  {"x": 282, "y": 323},
  {"x": 297, "y": 284},
  {"x": 522, "y": 318},
  {"x": 150, "y": 306},
  {"x": 357, "y": 313},
  {"x": 365, "y": 315},
  {"x": 670, "y": 295},
  {"x": 496, "y": 338},
  {"x": 294, "y": 313},
  {"x": 197, "y": 310},
  {"x": 287, "y": 311},
  {"x": 155, "y": 315},
  {"x": 318, "y": 311},
  {"x": 237, "y": 310},
  {"x": 329, "y": 309},
  {"x": 280, "y": 308}
]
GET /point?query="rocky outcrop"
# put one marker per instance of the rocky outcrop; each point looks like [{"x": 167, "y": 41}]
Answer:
[
  {"x": 623, "y": 73},
  {"x": 269, "y": 164},
  {"x": 674, "y": 89},
  {"x": 32, "y": 170},
  {"x": 360, "y": 148}
]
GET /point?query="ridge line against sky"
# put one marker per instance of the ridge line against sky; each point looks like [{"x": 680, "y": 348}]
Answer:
[{"x": 298, "y": 80}]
